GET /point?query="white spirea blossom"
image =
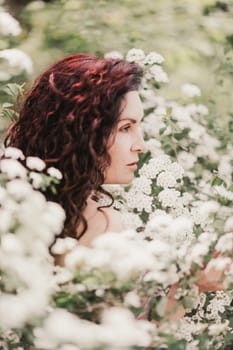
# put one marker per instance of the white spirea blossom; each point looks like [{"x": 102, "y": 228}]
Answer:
[
  {"x": 37, "y": 179},
  {"x": 19, "y": 189},
  {"x": 63, "y": 245},
  {"x": 54, "y": 173},
  {"x": 138, "y": 200},
  {"x": 166, "y": 179},
  {"x": 9, "y": 25},
  {"x": 113, "y": 54},
  {"x": 228, "y": 226},
  {"x": 143, "y": 184},
  {"x": 156, "y": 72},
  {"x": 225, "y": 243},
  {"x": 35, "y": 163},
  {"x": 14, "y": 153},
  {"x": 17, "y": 59},
  {"x": 169, "y": 197},
  {"x": 153, "y": 58},
  {"x": 155, "y": 166},
  {"x": 190, "y": 90},
  {"x": 12, "y": 168},
  {"x": 223, "y": 192},
  {"x": 135, "y": 55}
]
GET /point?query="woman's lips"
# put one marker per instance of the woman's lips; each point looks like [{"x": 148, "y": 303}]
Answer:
[{"x": 133, "y": 166}]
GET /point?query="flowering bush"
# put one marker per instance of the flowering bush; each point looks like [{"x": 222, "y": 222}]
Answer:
[{"x": 152, "y": 286}]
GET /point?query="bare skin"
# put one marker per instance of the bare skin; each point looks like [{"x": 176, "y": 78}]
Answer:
[{"x": 99, "y": 222}]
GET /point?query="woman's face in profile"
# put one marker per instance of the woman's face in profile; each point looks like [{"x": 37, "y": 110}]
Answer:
[{"x": 127, "y": 142}]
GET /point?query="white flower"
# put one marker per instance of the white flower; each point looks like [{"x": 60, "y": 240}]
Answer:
[
  {"x": 139, "y": 201},
  {"x": 191, "y": 90},
  {"x": 132, "y": 299},
  {"x": 35, "y": 163},
  {"x": 143, "y": 184},
  {"x": 54, "y": 217},
  {"x": 113, "y": 54},
  {"x": 17, "y": 59},
  {"x": 186, "y": 159},
  {"x": 228, "y": 225},
  {"x": 19, "y": 189},
  {"x": 6, "y": 220},
  {"x": 14, "y": 153},
  {"x": 225, "y": 243},
  {"x": 153, "y": 58},
  {"x": 218, "y": 328},
  {"x": 160, "y": 223},
  {"x": 9, "y": 25},
  {"x": 36, "y": 178},
  {"x": 122, "y": 330},
  {"x": 135, "y": 55},
  {"x": 64, "y": 245},
  {"x": 169, "y": 197},
  {"x": 166, "y": 179},
  {"x": 10, "y": 243},
  {"x": 219, "y": 263},
  {"x": 176, "y": 170},
  {"x": 156, "y": 72},
  {"x": 54, "y": 173},
  {"x": 12, "y": 168},
  {"x": 223, "y": 192},
  {"x": 155, "y": 166}
]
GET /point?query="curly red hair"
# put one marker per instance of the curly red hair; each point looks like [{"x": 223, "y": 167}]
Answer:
[{"x": 67, "y": 118}]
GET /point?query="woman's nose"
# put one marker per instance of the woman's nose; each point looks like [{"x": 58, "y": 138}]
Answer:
[{"x": 139, "y": 145}]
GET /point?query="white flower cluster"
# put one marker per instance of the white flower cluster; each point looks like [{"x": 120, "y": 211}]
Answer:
[
  {"x": 118, "y": 329},
  {"x": 17, "y": 62},
  {"x": 28, "y": 225},
  {"x": 9, "y": 25},
  {"x": 151, "y": 64}
]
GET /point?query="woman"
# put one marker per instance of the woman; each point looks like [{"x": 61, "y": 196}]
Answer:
[{"x": 83, "y": 116}]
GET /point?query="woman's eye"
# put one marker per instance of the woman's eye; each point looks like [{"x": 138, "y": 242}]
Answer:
[{"x": 125, "y": 128}]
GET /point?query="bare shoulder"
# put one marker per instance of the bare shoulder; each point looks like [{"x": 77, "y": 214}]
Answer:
[{"x": 100, "y": 221}]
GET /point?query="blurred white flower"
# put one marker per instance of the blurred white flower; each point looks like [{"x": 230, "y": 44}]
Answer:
[
  {"x": 190, "y": 90},
  {"x": 223, "y": 192},
  {"x": 14, "y": 153},
  {"x": 132, "y": 299},
  {"x": 5, "y": 220},
  {"x": 135, "y": 55},
  {"x": 19, "y": 189},
  {"x": 54, "y": 173},
  {"x": 156, "y": 72},
  {"x": 9, "y": 25},
  {"x": 113, "y": 54},
  {"x": 219, "y": 263},
  {"x": 186, "y": 159},
  {"x": 225, "y": 243},
  {"x": 228, "y": 224},
  {"x": 10, "y": 243},
  {"x": 35, "y": 163},
  {"x": 218, "y": 328},
  {"x": 153, "y": 58},
  {"x": 64, "y": 245},
  {"x": 17, "y": 59},
  {"x": 36, "y": 178},
  {"x": 12, "y": 168},
  {"x": 122, "y": 330}
]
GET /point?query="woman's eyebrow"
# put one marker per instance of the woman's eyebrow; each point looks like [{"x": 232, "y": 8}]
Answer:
[{"x": 132, "y": 120}]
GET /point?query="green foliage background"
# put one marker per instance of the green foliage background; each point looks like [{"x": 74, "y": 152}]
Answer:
[{"x": 192, "y": 35}]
